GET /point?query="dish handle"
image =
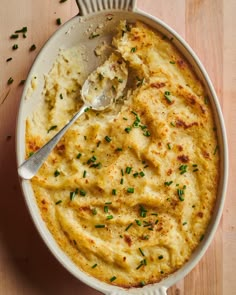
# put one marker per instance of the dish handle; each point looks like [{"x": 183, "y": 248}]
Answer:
[
  {"x": 90, "y": 6},
  {"x": 149, "y": 290}
]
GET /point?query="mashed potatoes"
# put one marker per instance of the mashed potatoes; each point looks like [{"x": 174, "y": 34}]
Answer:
[{"x": 128, "y": 192}]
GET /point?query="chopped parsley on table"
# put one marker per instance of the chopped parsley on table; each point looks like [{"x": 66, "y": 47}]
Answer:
[
  {"x": 58, "y": 21},
  {"x": 10, "y": 81},
  {"x": 32, "y": 47}
]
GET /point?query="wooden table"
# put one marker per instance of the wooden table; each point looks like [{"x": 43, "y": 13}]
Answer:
[{"x": 26, "y": 266}]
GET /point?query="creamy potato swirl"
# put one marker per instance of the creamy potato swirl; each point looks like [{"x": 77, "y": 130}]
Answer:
[{"x": 128, "y": 192}]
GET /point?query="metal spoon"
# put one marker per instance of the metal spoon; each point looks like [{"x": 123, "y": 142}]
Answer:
[{"x": 94, "y": 97}]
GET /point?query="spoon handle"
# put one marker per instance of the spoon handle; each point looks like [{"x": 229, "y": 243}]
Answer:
[{"x": 30, "y": 167}]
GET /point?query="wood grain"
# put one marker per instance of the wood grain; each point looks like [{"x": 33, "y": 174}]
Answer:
[{"x": 26, "y": 266}]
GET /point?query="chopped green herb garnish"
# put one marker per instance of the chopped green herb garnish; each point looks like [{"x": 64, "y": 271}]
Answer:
[
  {"x": 183, "y": 169},
  {"x": 105, "y": 209},
  {"x": 162, "y": 272},
  {"x": 23, "y": 30},
  {"x": 94, "y": 265},
  {"x": 135, "y": 174},
  {"x": 172, "y": 124},
  {"x": 143, "y": 262},
  {"x": 128, "y": 227},
  {"x": 128, "y": 170},
  {"x": 31, "y": 154},
  {"x": 202, "y": 237},
  {"x": 133, "y": 49},
  {"x": 143, "y": 211},
  {"x": 184, "y": 223},
  {"x": 58, "y": 21},
  {"x": 110, "y": 217},
  {"x": 58, "y": 202},
  {"x": 10, "y": 81},
  {"x": 133, "y": 112},
  {"x": 32, "y": 47},
  {"x": 121, "y": 180},
  {"x": 84, "y": 173},
  {"x": 99, "y": 225},
  {"x": 113, "y": 192},
  {"x": 108, "y": 203},
  {"x": 52, "y": 128},
  {"x": 195, "y": 170},
  {"x": 194, "y": 165},
  {"x": 94, "y": 211},
  {"x": 15, "y": 46},
  {"x": 147, "y": 133},
  {"x": 143, "y": 127},
  {"x": 107, "y": 138},
  {"x": 128, "y": 129},
  {"x": 82, "y": 192},
  {"x": 141, "y": 251},
  {"x": 78, "y": 156},
  {"x": 61, "y": 96},
  {"x": 169, "y": 146},
  {"x": 180, "y": 193},
  {"x": 119, "y": 149},
  {"x": 87, "y": 109},
  {"x": 147, "y": 224},
  {"x": 76, "y": 191},
  {"x": 122, "y": 172},
  {"x": 130, "y": 190},
  {"x": 91, "y": 160},
  {"x": 112, "y": 279},
  {"x": 142, "y": 174},
  {"x": 14, "y": 36},
  {"x": 168, "y": 183},
  {"x": 57, "y": 173},
  {"x": 167, "y": 96},
  {"x": 139, "y": 223},
  {"x": 172, "y": 62},
  {"x": 96, "y": 165},
  {"x": 93, "y": 35},
  {"x": 160, "y": 257}
]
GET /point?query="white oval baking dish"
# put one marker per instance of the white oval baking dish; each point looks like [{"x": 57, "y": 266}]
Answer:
[{"x": 92, "y": 13}]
